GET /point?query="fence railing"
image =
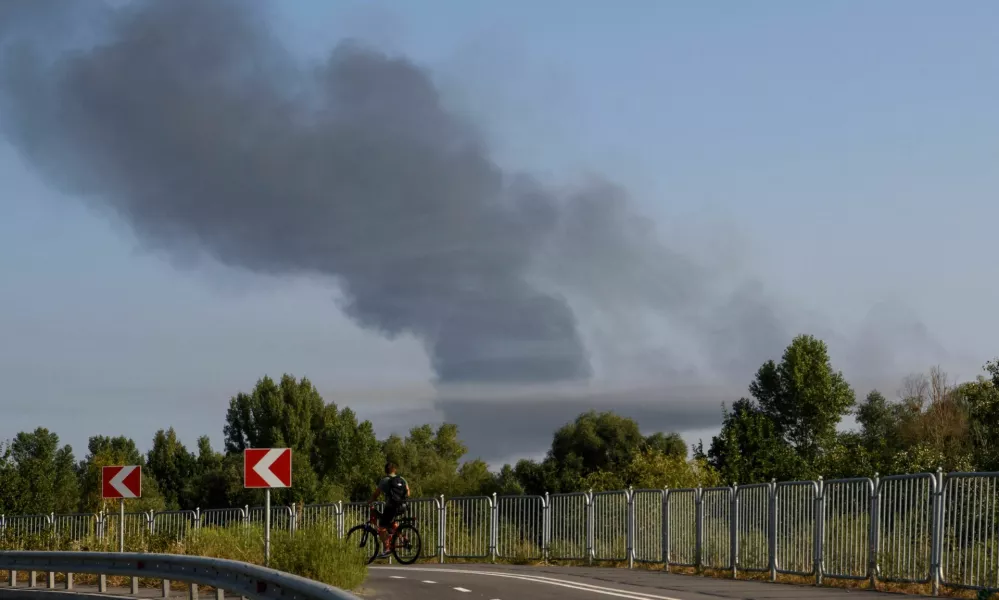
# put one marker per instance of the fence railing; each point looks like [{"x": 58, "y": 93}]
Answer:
[{"x": 931, "y": 528}]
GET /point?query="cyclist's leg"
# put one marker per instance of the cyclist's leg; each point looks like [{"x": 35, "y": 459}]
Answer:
[
  {"x": 386, "y": 526},
  {"x": 399, "y": 512}
]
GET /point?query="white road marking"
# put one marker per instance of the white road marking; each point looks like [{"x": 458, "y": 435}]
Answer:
[
  {"x": 395, "y": 577},
  {"x": 585, "y": 587},
  {"x": 428, "y": 581},
  {"x": 462, "y": 590}
]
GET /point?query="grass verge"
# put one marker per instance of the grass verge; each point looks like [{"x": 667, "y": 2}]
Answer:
[{"x": 312, "y": 551}]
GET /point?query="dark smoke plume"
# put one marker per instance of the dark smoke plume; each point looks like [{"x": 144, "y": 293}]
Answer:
[{"x": 191, "y": 122}]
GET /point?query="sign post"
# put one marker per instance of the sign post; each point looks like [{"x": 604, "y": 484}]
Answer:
[
  {"x": 267, "y": 468},
  {"x": 120, "y": 483}
]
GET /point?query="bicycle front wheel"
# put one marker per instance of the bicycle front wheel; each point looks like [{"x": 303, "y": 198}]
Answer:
[
  {"x": 406, "y": 544},
  {"x": 364, "y": 541}
]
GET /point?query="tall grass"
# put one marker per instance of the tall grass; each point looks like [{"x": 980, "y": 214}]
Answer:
[{"x": 312, "y": 551}]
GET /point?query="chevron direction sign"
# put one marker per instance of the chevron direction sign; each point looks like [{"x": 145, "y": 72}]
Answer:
[
  {"x": 121, "y": 482},
  {"x": 267, "y": 468}
]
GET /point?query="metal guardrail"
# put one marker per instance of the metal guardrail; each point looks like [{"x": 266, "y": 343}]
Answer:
[
  {"x": 249, "y": 581},
  {"x": 922, "y": 528}
]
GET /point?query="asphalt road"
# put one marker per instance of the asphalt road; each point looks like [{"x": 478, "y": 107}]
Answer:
[
  {"x": 504, "y": 582},
  {"x": 500, "y": 582}
]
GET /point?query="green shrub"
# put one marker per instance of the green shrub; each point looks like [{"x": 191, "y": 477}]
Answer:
[{"x": 315, "y": 553}]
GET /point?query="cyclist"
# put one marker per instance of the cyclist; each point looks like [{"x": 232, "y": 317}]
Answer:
[{"x": 396, "y": 491}]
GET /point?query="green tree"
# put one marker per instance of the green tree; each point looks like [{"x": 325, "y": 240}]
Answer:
[
  {"x": 880, "y": 435},
  {"x": 474, "y": 479},
  {"x": 593, "y": 442},
  {"x": 40, "y": 474},
  {"x": 348, "y": 456},
  {"x": 173, "y": 468},
  {"x": 982, "y": 400},
  {"x": 507, "y": 483},
  {"x": 285, "y": 414},
  {"x": 804, "y": 397},
  {"x": 698, "y": 450},
  {"x": 668, "y": 444},
  {"x": 536, "y": 478},
  {"x": 105, "y": 451},
  {"x": 428, "y": 459},
  {"x": 933, "y": 426},
  {"x": 653, "y": 469},
  {"x": 749, "y": 448},
  {"x": 850, "y": 456},
  {"x": 216, "y": 482},
  {"x": 274, "y": 415},
  {"x": 7, "y": 480}
]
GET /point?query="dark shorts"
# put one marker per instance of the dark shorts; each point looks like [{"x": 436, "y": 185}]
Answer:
[{"x": 390, "y": 514}]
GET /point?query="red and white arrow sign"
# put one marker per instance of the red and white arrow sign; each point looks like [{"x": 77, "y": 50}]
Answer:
[
  {"x": 267, "y": 468},
  {"x": 121, "y": 482}
]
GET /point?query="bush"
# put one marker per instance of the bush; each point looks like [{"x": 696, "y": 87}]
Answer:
[{"x": 314, "y": 552}]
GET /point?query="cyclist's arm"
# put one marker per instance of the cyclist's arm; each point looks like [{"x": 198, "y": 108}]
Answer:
[{"x": 374, "y": 496}]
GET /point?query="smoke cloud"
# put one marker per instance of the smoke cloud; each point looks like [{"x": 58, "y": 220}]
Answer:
[
  {"x": 215, "y": 139},
  {"x": 191, "y": 122}
]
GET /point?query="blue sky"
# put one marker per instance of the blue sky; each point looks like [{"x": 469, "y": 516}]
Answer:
[{"x": 843, "y": 152}]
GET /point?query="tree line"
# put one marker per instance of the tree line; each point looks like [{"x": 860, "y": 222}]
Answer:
[{"x": 788, "y": 428}]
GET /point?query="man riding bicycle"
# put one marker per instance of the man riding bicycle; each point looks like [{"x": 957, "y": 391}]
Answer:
[{"x": 396, "y": 492}]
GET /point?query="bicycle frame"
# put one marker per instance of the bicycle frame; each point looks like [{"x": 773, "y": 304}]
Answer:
[
  {"x": 396, "y": 533},
  {"x": 373, "y": 521}
]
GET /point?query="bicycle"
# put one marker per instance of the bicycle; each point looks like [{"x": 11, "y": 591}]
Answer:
[{"x": 405, "y": 538}]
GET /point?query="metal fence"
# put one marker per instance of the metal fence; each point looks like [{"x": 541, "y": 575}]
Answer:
[{"x": 931, "y": 528}]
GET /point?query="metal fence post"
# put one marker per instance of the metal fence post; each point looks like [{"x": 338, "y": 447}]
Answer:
[
  {"x": 666, "y": 530},
  {"x": 772, "y": 529},
  {"x": 875, "y": 524},
  {"x": 820, "y": 529},
  {"x": 588, "y": 511},
  {"x": 546, "y": 528},
  {"x": 494, "y": 526},
  {"x": 629, "y": 536},
  {"x": 936, "y": 531},
  {"x": 734, "y": 531},
  {"x": 699, "y": 528},
  {"x": 442, "y": 528}
]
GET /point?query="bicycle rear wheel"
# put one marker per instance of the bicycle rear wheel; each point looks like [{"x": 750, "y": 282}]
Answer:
[
  {"x": 365, "y": 541},
  {"x": 406, "y": 544}
]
